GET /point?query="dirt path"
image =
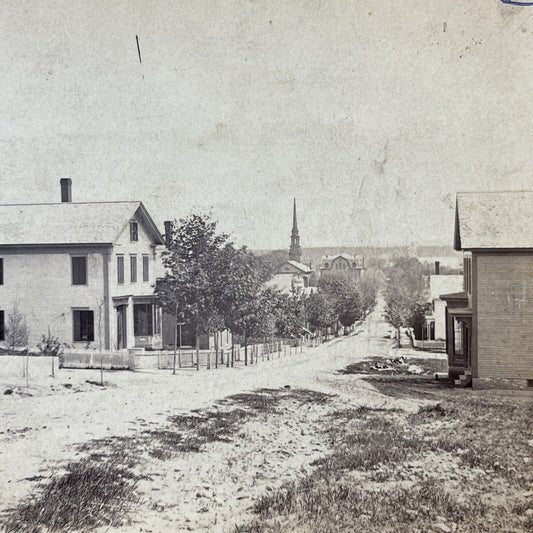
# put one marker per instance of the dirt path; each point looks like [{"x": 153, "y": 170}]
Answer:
[{"x": 202, "y": 491}]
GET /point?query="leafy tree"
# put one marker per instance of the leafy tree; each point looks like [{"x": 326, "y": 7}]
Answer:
[
  {"x": 242, "y": 301},
  {"x": 319, "y": 311},
  {"x": 343, "y": 298},
  {"x": 190, "y": 286},
  {"x": 405, "y": 294},
  {"x": 368, "y": 286},
  {"x": 289, "y": 311},
  {"x": 351, "y": 309}
]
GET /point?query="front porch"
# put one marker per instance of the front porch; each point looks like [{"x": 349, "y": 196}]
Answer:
[
  {"x": 138, "y": 322},
  {"x": 458, "y": 334}
]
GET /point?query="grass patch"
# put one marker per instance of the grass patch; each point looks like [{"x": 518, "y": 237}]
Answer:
[
  {"x": 486, "y": 432},
  {"x": 89, "y": 495},
  {"x": 362, "y": 444},
  {"x": 376, "y": 477},
  {"x": 322, "y": 504}
]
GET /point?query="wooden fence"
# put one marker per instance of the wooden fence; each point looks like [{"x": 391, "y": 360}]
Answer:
[{"x": 227, "y": 356}]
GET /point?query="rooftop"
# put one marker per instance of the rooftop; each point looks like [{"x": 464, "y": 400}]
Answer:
[
  {"x": 494, "y": 220},
  {"x": 70, "y": 222}
]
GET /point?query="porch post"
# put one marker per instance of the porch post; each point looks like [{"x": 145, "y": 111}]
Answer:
[{"x": 129, "y": 324}]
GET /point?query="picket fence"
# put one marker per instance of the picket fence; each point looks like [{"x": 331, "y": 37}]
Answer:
[{"x": 140, "y": 360}]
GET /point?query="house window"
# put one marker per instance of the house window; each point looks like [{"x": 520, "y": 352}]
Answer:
[
  {"x": 83, "y": 325},
  {"x": 2, "y": 330},
  {"x": 143, "y": 319},
  {"x": 79, "y": 270},
  {"x": 120, "y": 269},
  {"x": 146, "y": 268},
  {"x": 133, "y": 268},
  {"x": 1, "y": 271},
  {"x": 134, "y": 231}
]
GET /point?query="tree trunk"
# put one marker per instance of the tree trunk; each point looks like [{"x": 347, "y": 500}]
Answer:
[
  {"x": 245, "y": 349},
  {"x": 216, "y": 349},
  {"x": 399, "y": 337},
  {"x": 175, "y": 343},
  {"x": 197, "y": 349}
]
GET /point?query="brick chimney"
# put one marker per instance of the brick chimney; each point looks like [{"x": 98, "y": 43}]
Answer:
[
  {"x": 66, "y": 189},
  {"x": 168, "y": 232},
  {"x": 437, "y": 268}
]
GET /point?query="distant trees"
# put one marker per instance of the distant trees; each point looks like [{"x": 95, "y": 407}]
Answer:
[
  {"x": 336, "y": 303},
  {"x": 368, "y": 287},
  {"x": 405, "y": 295}
]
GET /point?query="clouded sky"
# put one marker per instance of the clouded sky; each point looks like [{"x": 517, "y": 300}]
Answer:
[{"x": 373, "y": 114}]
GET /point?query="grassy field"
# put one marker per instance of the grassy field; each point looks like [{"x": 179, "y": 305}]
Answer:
[{"x": 460, "y": 464}]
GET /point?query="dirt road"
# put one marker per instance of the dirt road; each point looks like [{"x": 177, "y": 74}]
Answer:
[{"x": 40, "y": 434}]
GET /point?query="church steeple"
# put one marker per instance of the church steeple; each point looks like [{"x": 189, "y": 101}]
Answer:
[{"x": 295, "y": 251}]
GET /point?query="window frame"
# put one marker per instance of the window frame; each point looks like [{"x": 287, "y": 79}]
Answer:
[
  {"x": 133, "y": 268},
  {"x": 90, "y": 328},
  {"x": 120, "y": 279},
  {"x": 72, "y": 258},
  {"x": 134, "y": 231}
]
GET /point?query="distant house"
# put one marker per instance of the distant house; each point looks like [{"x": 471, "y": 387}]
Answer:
[
  {"x": 490, "y": 323},
  {"x": 436, "y": 321},
  {"x": 85, "y": 270},
  {"x": 291, "y": 275},
  {"x": 342, "y": 263}
]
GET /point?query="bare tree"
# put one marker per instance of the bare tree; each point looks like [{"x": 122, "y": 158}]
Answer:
[
  {"x": 16, "y": 333},
  {"x": 16, "y": 336},
  {"x": 100, "y": 311}
]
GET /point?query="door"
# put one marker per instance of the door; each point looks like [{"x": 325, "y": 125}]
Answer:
[{"x": 122, "y": 338}]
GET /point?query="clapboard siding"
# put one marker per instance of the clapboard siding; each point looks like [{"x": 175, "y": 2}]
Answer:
[
  {"x": 504, "y": 309},
  {"x": 39, "y": 284}
]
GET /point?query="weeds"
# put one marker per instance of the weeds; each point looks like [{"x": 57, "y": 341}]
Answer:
[{"x": 89, "y": 495}]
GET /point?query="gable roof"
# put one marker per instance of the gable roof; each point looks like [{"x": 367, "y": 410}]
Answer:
[
  {"x": 444, "y": 284},
  {"x": 494, "y": 220},
  {"x": 350, "y": 258},
  {"x": 300, "y": 266},
  {"x": 71, "y": 223}
]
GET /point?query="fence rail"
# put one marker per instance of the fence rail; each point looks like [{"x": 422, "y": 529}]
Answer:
[{"x": 139, "y": 360}]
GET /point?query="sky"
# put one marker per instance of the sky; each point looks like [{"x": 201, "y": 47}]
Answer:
[{"x": 372, "y": 114}]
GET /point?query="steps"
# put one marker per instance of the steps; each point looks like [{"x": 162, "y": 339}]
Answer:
[{"x": 464, "y": 380}]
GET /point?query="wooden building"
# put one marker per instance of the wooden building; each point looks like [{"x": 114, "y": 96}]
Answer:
[
  {"x": 490, "y": 323},
  {"x": 86, "y": 270}
]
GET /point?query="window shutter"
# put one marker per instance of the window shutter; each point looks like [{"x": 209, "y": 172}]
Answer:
[
  {"x": 120, "y": 269},
  {"x": 77, "y": 325},
  {"x": 2, "y": 334},
  {"x": 90, "y": 325},
  {"x": 133, "y": 268},
  {"x": 1, "y": 271},
  {"x": 146, "y": 266}
]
